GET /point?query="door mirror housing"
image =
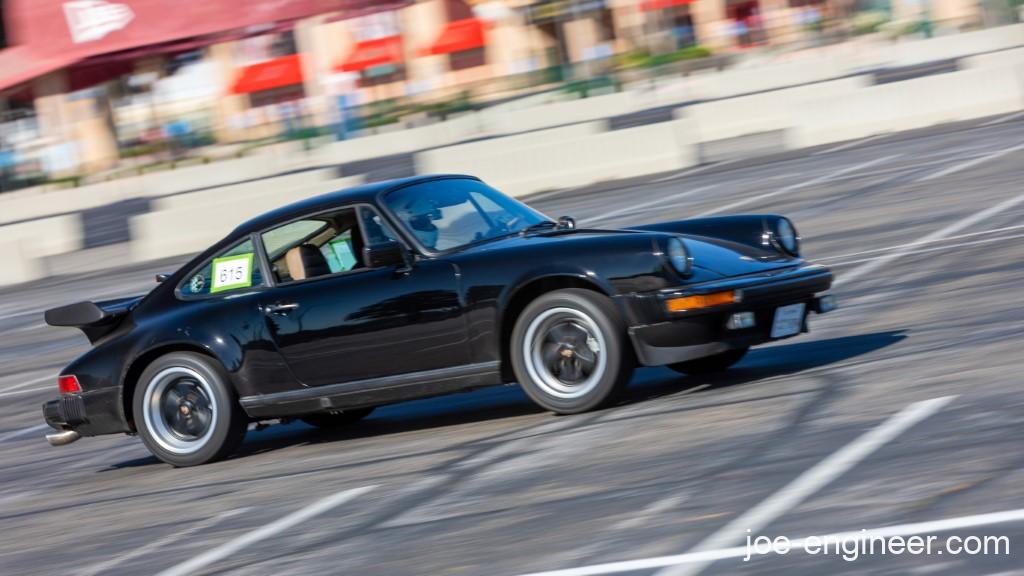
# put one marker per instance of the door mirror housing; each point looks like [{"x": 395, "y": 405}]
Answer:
[
  {"x": 566, "y": 222},
  {"x": 386, "y": 254}
]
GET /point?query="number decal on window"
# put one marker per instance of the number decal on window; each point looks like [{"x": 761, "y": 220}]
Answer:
[{"x": 230, "y": 272}]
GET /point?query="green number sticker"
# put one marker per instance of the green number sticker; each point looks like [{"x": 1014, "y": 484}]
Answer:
[{"x": 230, "y": 272}]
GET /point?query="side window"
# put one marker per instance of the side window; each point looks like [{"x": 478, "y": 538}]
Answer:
[
  {"x": 234, "y": 269},
  {"x": 377, "y": 230},
  {"x": 326, "y": 244}
]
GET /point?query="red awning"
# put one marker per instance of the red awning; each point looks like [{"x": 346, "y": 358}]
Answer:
[
  {"x": 648, "y": 5},
  {"x": 457, "y": 36},
  {"x": 19, "y": 64},
  {"x": 283, "y": 71},
  {"x": 370, "y": 53},
  {"x": 51, "y": 34}
]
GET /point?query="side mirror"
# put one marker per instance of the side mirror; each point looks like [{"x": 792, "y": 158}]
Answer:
[
  {"x": 386, "y": 254},
  {"x": 161, "y": 278},
  {"x": 566, "y": 222}
]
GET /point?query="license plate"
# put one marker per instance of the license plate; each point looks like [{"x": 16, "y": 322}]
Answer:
[{"x": 788, "y": 320}]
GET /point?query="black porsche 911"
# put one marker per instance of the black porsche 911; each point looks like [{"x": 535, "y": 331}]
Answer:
[{"x": 330, "y": 307}]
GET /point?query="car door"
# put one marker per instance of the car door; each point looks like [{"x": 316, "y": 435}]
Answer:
[{"x": 365, "y": 322}]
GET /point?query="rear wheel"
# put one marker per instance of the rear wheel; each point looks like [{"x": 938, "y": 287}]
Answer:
[
  {"x": 332, "y": 420},
  {"x": 569, "y": 351},
  {"x": 710, "y": 364},
  {"x": 186, "y": 412}
]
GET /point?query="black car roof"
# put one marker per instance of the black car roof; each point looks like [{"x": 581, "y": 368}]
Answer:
[{"x": 365, "y": 193}]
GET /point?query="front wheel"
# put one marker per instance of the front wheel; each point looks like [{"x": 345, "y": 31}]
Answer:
[
  {"x": 570, "y": 352},
  {"x": 186, "y": 412},
  {"x": 710, "y": 364}
]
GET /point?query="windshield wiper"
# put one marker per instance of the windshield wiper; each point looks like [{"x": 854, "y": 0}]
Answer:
[{"x": 538, "y": 226}]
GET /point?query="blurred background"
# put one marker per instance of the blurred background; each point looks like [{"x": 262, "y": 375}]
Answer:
[
  {"x": 111, "y": 111},
  {"x": 135, "y": 133}
]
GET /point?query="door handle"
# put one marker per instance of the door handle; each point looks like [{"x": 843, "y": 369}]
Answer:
[{"x": 280, "y": 308}]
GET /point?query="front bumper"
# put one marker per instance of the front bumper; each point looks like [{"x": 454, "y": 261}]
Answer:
[
  {"x": 88, "y": 413},
  {"x": 679, "y": 336}
]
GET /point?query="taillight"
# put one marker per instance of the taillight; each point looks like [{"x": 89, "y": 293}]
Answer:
[{"x": 68, "y": 384}]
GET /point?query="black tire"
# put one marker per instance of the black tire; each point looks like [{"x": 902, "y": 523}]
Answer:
[
  {"x": 186, "y": 411},
  {"x": 560, "y": 369},
  {"x": 334, "y": 420},
  {"x": 710, "y": 364}
]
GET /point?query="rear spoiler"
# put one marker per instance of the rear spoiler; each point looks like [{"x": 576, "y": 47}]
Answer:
[{"x": 95, "y": 319}]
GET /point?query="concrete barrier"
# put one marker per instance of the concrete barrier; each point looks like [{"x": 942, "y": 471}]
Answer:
[
  {"x": 442, "y": 159},
  {"x": 770, "y": 76},
  {"x": 906, "y": 105},
  {"x": 242, "y": 192},
  {"x": 400, "y": 141},
  {"x": 38, "y": 203},
  {"x": 188, "y": 228},
  {"x": 19, "y": 265},
  {"x": 580, "y": 161},
  {"x": 757, "y": 113},
  {"x": 558, "y": 113},
  {"x": 46, "y": 236},
  {"x": 957, "y": 45},
  {"x": 212, "y": 174},
  {"x": 1012, "y": 57}
]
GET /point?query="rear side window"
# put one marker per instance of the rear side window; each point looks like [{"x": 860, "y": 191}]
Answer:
[{"x": 234, "y": 269}]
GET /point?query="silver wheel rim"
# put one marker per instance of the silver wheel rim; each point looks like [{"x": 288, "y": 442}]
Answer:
[
  {"x": 564, "y": 353},
  {"x": 180, "y": 410}
]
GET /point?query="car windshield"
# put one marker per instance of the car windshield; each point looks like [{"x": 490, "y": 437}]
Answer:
[{"x": 451, "y": 213}]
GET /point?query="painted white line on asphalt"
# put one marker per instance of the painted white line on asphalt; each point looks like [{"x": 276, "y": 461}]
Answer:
[
  {"x": 52, "y": 378},
  {"x": 812, "y": 480},
  {"x": 935, "y": 249},
  {"x": 946, "y": 232},
  {"x": 798, "y": 185},
  {"x": 969, "y": 164},
  {"x": 549, "y": 194},
  {"x": 850, "y": 144},
  {"x": 22, "y": 432},
  {"x": 918, "y": 243},
  {"x": 692, "y": 171},
  {"x": 650, "y": 511},
  {"x": 658, "y": 201},
  {"x": 105, "y": 566},
  {"x": 797, "y": 544},
  {"x": 29, "y": 391},
  {"x": 1002, "y": 119},
  {"x": 275, "y": 527}
]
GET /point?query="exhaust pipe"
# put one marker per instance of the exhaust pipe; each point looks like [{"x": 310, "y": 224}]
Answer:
[{"x": 63, "y": 437}]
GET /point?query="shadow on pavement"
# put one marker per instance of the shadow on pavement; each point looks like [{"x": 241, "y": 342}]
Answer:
[{"x": 510, "y": 401}]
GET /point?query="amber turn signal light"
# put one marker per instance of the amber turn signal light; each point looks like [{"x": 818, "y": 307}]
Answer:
[{"x": 700, "y": 301}]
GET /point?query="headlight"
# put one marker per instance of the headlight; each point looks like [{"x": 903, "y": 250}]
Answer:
[
  {"x": 678, "y": 256},
  {"x": 786, "y": 236}
]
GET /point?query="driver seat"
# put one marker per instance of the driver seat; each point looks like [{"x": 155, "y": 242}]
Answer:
[{"x": 306, "y": 261}]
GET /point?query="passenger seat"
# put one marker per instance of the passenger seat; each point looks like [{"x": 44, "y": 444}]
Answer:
[{"x": 306, "y": 261}]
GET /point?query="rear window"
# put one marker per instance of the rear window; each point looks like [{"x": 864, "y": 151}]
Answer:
[{"x": 234, "y": 269}]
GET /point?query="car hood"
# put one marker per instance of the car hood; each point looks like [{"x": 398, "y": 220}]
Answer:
[{"x": 713, "y": 257}]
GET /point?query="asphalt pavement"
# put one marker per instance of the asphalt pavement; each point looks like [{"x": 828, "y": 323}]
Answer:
[{"x": 902, "y": 409}]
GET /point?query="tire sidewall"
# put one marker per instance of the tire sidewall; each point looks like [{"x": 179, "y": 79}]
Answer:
[
  {"x": 225, "y": 435},
  {"x": 603, "y": 314}
]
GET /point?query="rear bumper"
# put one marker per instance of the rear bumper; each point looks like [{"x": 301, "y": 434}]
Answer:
[
  {"x": 680, "y": 336},
  {"x": 88, "y": 413}
]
